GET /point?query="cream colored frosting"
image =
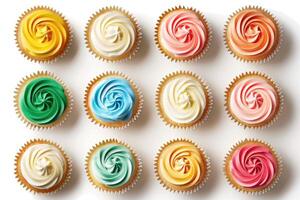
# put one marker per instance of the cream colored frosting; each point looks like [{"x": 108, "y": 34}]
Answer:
[
  {"x": 42, "y": 166},
  {"x": 183, "y": 99},
  {"x": 112, "y": 34}
]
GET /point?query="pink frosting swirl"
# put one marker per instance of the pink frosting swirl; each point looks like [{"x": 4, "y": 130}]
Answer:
[
  {"x": 253, "y": 100},
  {"x": 183, "y": 33},
  {"x": 252, "y": 34},
  {"x": 253, "y": 166}
]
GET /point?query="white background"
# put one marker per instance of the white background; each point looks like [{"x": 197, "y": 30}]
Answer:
[{"x": 216, "y": 136}]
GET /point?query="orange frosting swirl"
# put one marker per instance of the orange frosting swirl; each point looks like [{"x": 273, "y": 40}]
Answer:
[{"x": 252, "y": 34}]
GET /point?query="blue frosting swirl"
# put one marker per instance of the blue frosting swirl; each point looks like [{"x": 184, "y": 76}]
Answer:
[{"x": 113, "y": 100}]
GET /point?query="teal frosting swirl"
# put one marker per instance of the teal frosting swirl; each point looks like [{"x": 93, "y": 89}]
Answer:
[
  {"x": 43, "y": 100},
  {"x": 113, "y": 165},
  {"x": 113, "y": 100}
]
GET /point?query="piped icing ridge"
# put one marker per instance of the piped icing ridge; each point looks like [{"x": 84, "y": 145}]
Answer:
[
  {"x": 43, "y": 166},
  {"x": 252, "y": 34},
  {"x": 253, "y": 166},
  {"x": 181, "y": 166},
  {"x": 113, "y": 34},
  {"x": 42, "y": 34},
  {"x": 183, "y": 99},
  {"x": 183, "y": 33},
  {"x": 253, "y": 99},
  {"x": 113, "y": 100},
  {"x": 43, "y": 100},
  {"x": 113, "y": 165}
]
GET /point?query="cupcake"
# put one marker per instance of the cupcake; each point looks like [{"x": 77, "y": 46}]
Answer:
[
  {"x": 183, "y": 100},
  {"x": 181, "y": 166},
  {"x": 252, "y": 34},
  {"x": 112, "y": 34},
  {"x": 42, "y": 100},
  {"x": 253, "y": 100},
  {"x": 42, "y": 34},
  {"x": 41, "y": 166},
  {"x": 112, "y": 100},
  {"x": 112, "y": 166},
  {"x": 182, "y": 34},
  {"x": 252, "y": 166}
]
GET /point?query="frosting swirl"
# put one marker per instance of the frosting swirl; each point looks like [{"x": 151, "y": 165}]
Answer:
[
  {"x": 112, "y": 100},
  {"x": 183, "y": 99},
  {"x": 113, "y": 165},
  {"x": 253, "y": 166},
  {"x": 43, "y": 166},
  {"x": 43, "y": 34},
  {"x": 183, "y": 33},
  {"x": 253, "y": 100},
  {"x": 113, "y": 34},
  {"x": 181, "y": 165},
  {"x": 252, "y": 34},
  {"x": 43, "y": 100}
]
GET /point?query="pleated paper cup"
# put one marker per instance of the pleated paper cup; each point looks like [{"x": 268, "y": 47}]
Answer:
[
  {"x": 22, "y": 86},
  {"x": 240, "y": 188},
  {"x": 36, "y": 55},
  {"x": 23, "y": 180},
  {"x": 105, "y": 188},
  {"x": 117, "y": 124}
]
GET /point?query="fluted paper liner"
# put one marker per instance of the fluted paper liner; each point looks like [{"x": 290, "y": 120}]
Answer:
[
  {"x": 22, "y": 180},
  {"x": 127, "y": 56},
  {"x": 160, "y": 110},
  {"x": 51, "y": 59},
  {"x": 165, "y": 51},
  {"x": 195, "y": 187},
  {"x": 279, "y": 99},
  {"x": 253, "y": 191},
  {"x": 122, "y": 189},
  {"x": 22, "y": 84},
  {"x": 119, "y": 124},
  {"x": 264, "y": 59}
]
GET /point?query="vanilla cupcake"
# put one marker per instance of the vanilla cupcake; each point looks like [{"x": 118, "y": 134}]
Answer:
[
  {"x": 112, "y": 166},
  {"x": 42, "y": 100},
  {"x": 253, "y": 100},
  {"x": 181, "y": 166},
  {"x": 252, "y": 166},
  {"x": 182, "y": 34},
  {"x": 252, "y": 34},
  {"x": 41, "y": 166},
  {"x": 112, "y": 34},
  {"x": 43, "y": 34},
  {"x": 112, "y": 100},
  {"x": 183, "y": 100}
]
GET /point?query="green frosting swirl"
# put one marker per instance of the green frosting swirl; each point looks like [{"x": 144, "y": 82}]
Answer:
[
  {"x": 113, "y": 165},
  {"x": 43, "y": 100}
]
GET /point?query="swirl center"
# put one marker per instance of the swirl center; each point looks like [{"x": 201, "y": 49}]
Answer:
[
  {"x": 183, "y": 33},
  {"x": 43, "y": 33},
  {"x": 113, "y": 34},
  {"x": 253, "y": 33}
]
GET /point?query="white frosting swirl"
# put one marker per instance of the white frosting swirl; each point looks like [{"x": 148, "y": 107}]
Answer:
[
  {"x": 183, "y": 99},
  {"x": 113, "y": 34},
  {"x": 42, "y": 166}
]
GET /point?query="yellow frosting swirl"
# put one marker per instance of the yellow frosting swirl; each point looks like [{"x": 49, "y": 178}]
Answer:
[
  {"x": 43, "y": 34},
  {"x": 181, "y": 165}
]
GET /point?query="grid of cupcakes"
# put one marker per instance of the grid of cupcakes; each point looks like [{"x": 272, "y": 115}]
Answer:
[{"x": 183, "y": 99}]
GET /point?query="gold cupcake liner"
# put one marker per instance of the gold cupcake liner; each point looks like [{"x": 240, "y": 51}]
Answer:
[
  {"x": 117, "y": 125},
  {"x": 32, "y": 58},
  {"x": 233, "y": 184},
  {"x": 262, "y": 125},
  {"x": 104, "y": 188},
  {"x": 22, "y": 180},
  {"x": 124, "y": 57},
  {"x": 165, "y": 52},
  {"x": 21, "y": 86},
  {"x": 240, "y": 57},
  {"x": 160, "y": 111},
  {"x": 196, "y": 187}
]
